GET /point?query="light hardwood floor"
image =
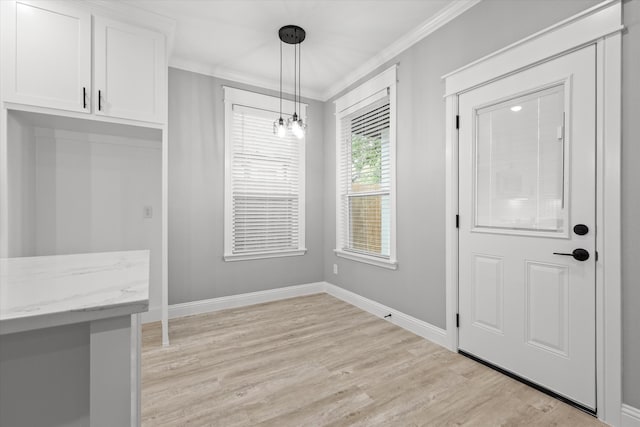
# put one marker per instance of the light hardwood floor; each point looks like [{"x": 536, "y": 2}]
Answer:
[{"x": 318, "y": 361}]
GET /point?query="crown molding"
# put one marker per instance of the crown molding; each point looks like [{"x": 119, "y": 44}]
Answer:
[
  {"x": 446, "y": 15},
  {"x": 221, "y": 73}
]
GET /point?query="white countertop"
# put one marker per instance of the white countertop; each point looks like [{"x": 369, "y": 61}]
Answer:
[{"x": 43, "y": 291}]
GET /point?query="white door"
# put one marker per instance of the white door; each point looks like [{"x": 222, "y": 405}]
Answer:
[
  {"x": 527, "y": 198},
  {"x": 48, "y": 47},
  {"x": 129, "y": 71}
]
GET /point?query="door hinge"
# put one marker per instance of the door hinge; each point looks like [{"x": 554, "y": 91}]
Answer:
[
  {"x": 457, "y": 320},
  {"x": 457, "y": 122},
  {"x": 457, "y": 221},
  {"x": 596, "y": 255}
]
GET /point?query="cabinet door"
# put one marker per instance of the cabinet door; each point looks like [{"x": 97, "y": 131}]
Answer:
[
  {"x": 129, "y": 71},
  {"x": 48, "y": 48}
]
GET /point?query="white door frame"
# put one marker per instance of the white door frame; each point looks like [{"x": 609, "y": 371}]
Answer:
[{"x": 600, "y": 25}]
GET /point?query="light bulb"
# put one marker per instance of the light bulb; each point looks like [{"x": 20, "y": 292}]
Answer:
[
  {"x": 279, "y": 128},
  {"x": 297, "y": 127},
  {"x": 282, "y": 130}
]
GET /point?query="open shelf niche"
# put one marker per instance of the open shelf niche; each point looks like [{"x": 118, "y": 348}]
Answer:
[{"x": 81, "y": 186}]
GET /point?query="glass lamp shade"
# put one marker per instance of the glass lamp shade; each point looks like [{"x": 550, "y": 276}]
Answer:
[
  {"x": 279, "y": 128},
  {"x": 297, "y": 127}
]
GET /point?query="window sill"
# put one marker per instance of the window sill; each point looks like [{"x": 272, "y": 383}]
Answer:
[
  {"x": 378, "y": 262},
  {"x": 263, "y": 255}
]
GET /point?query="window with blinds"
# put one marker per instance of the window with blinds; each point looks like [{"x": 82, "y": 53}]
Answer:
[
  {"x": 265, "y": 183},
  {"x": 365, "y": 181}
]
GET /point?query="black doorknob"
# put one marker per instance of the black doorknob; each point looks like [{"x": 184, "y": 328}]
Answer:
[{"x": 578, "y": 254}]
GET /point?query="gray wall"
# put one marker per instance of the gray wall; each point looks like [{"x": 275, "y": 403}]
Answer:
[
  {"x": 21, "y": 151},
  {"x": 418, "y": 286},
  {"x": 196, "y": 193},
  {"x": 631, "y": 204}
]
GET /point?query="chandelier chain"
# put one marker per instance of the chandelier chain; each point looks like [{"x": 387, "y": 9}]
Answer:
[{"x": 280, "y": 79}]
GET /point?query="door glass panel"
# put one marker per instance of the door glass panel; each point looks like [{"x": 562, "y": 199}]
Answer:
[{"x": 519, "y": 162}]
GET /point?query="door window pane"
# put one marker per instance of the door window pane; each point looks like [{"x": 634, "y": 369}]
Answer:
[{"x": 519, "y": 157}]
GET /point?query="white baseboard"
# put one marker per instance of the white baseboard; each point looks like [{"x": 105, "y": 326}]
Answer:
[
  {"x": 630, "y": 416},
  {"x": 410, "y": 323},
  {"x": 233, "y": 301}
]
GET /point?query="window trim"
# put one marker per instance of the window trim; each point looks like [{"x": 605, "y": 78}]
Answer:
[
  {"x": 352, "y": 101},
  {"x": 233, "y": 96}
]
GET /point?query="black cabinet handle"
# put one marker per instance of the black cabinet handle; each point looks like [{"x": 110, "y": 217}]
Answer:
[
  {"x": 84, "y": 97},
  {"x": 578, "y": 254},
  {"x": 99, "y": 100}
]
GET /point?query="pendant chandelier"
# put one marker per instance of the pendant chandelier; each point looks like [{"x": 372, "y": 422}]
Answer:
[{"x": 294, "y": 35}]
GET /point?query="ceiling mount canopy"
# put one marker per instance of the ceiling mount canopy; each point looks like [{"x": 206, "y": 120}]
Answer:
[{"x": 293, "y": 35}]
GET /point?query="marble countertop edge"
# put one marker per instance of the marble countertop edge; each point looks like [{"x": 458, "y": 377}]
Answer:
[
  {"x": 41, "y": 292},
  {"x": 23, "y": 324}
]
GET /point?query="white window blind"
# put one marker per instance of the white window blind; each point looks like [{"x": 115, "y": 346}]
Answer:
[
  {"x": 266, "y": 185},
  {"x": 365, "y": 181}
]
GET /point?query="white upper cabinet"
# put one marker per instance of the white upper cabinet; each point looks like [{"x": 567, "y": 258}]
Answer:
[
  {"x": 51, "y": 55},
  {"x": 48, "y": 48},
  {"x": 129, "y": 71}
]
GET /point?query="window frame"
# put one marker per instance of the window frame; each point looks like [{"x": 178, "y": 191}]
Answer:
[
  {"x": 354, "y": 100},
  {"x": 233, "y": 96}
]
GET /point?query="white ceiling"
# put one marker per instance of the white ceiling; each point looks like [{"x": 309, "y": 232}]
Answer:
[{"x": 238, "y": 39}]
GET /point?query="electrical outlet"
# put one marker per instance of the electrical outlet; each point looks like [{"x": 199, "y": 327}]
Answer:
[
  {"x": 147, "y": 212},
  {"x": 335, "y": 268}
]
